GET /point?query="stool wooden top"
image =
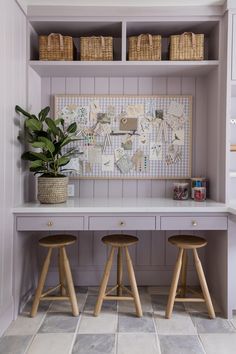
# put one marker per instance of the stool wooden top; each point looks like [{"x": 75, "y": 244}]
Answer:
[
  {"x": 57, "y": 241},
  {"x": 187, "y": 241},
  {"x": 120, "y": 240}
]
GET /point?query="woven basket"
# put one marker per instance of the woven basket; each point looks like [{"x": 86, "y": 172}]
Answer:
[
  {"x": 96, "y": 48},
  {"x": 187, "y": 46},
  {"x": 52, "y": 190},
  {"x": 55, "y": 47},
  {"x": 145, "y": 47}
]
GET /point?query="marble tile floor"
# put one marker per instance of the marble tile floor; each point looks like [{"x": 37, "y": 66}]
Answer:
[{"x": 117, "y": 330}]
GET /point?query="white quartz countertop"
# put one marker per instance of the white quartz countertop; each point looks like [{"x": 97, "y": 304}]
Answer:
[{"x": 124, "y": 205}]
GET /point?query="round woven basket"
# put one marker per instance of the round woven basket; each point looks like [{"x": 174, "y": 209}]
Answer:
[{"x": 52, "y": 190}]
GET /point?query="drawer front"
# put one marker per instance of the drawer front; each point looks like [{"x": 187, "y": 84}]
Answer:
[
  {"x": 47, "y": 223},
  {"x": 194, "y": 223},
  {"x": 122, "y": 223}
]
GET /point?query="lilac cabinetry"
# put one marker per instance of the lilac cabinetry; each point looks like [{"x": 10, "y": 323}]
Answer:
[{"x": 234, "y": 49}]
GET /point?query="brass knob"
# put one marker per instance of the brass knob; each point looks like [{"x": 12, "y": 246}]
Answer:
[
  {"x": 194, "y": 223},
  {"x": 122, "y": 223},
  {"x": 50, "y": 223}
]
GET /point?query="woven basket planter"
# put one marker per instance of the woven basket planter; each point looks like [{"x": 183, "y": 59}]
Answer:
[
  {"x": 56, "y": 47},
  {"x": 96, "y": 48},
  {"x": 52, "y": 189},
  {"x": 187, "y": 46},
  {"x": 145, "y": 47}
]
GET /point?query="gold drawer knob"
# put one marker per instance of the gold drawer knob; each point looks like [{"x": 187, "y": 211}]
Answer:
[
  {"x": 50, "y": 223},
  {"x": 194, "y": 223},
  {"x": 122, "y": 223}
]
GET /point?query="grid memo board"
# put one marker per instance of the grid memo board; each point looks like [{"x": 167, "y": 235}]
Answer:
[{"x": 133, "y": 137}]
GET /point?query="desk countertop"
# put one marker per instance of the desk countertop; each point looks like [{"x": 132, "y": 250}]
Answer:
[{"x": 125, "y": 205}]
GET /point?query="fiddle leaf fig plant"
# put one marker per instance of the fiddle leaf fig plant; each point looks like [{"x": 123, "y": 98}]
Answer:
[{"x": 48, "y": 137}]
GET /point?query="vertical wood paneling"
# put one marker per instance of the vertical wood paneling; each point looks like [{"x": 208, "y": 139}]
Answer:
[
  {"x": 87, "y": 85},
  {"x": 13, "y": 91},
  {"x": 116, "y": 86},
  {"x": 72, "y": 85}
]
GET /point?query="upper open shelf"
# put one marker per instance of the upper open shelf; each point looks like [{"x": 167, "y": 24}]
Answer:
[{"x": 123, "y": 68}]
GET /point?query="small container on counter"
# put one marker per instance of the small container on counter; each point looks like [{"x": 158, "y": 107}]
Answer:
[
  {"x": 181, "y": 191},
  {"x": 199, "y": 194},
  {"x": 198, "y": 182}
]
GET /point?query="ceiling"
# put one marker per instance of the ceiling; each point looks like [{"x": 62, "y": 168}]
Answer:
[{"x": 124, "y": 2}]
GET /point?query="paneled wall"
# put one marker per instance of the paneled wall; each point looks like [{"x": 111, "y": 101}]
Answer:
[
  {"x": 153, "y": 257},
  {"x": 13, "y": 90}
]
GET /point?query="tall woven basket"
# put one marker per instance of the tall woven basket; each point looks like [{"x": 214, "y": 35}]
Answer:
[
  {"x": 56, "y": 47},
  {"x": 52, "y": 189},
  {"x": 96, "y": 48},
  {"x": 145, "y": 47},
  {"x": 187, "y": 46}
]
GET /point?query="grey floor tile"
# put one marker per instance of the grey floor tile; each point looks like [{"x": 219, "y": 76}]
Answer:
[
  {"x": 133, "y": 324},
  {"x": 177, "y": 325},
  {"x": 219, "y": 343},
  {"x": 159, "y": 303},
  {"x": 51, "y": 343},
  {"x": 59, "y": 323},
  {"x": 107, "y": 306},
  {"x": 14, "y": 344},
  {"x": 137, "y": 343},
  {"x": 104, "y": 323},
  {"x": 43, "y": 307},
  {"x": 180, "y": 345},
  {"x": 65, "y": 306},
  {"x": 25, "y": 325},
  {"x": 94, "y": 344},
  {"x": 206, "y": 325}
]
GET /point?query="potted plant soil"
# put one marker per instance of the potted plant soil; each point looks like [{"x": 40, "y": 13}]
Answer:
[{"x": 48, "y": 156}]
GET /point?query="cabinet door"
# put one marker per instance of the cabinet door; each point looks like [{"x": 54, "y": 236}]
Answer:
[{"x": 233, "y": 65}]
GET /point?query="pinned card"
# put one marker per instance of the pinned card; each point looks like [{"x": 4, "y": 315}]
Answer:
[
  {"x": 74, "y": 165},
  {"x": 143, "y": 139},
  {"x": 178, "y": 137},
  {"x": 94, "y": 109},
  {"x": 127, "y": 144},
  {"x": 119, "y": 152},
  {"x": 174, "y": 154},
  {"x": 107, "y": 163},
  {"x": 176, "y": 109},
  {"x": 144, "y": 125},
  {"x": 128, "y": 124},
  {"x": 124, "y": 164},
  {"x": 82, "y": 114},
  {"x": 136, "y": 110},
  {"x": 155, "y": 151},
  {"x": 103, "y": 118},
  {"x": 94, "y": 154}
]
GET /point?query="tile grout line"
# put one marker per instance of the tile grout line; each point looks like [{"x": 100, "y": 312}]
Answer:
[{"x": 77, "y": 327}]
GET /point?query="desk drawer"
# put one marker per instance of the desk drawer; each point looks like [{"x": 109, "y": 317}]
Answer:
[
  {"x": 122, "y": 223},
  {"x": 194, "y": 223},
  {"x": 48, "y": 223}
]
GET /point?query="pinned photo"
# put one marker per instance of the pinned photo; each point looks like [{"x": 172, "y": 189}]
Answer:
[
  {"x": 155, "y": 151},
  {"x": 107, "y": 163}
]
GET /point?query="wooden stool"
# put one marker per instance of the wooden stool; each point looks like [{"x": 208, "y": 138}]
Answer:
[
  {"x": 184, "y": 243},
  {"x": 120, "y": 242},
  {"x": 66, "y": 285}
]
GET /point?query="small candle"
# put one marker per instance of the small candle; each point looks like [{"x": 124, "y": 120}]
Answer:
[
  {"x": 199, "y": 194},
  {"x": 180, "y": 191}
]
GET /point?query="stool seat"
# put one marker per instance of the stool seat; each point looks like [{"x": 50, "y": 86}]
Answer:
[
  {"x": 187, "y": 241},
  {"x": 120, "y": 240},
  {"x": 57, "y": 241}
]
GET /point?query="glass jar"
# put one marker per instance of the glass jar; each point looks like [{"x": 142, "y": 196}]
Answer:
[
  {"x": 199, "y": 194},
  {"x": 180, "y": 191}
]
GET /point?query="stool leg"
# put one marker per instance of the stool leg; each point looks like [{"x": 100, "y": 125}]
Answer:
[
  {"x": 203, "y": 284},
  {"x": 41, "y": 284},
  {"x": 119, "y": 271},
  {"x": 70, "y": 284},
  {"x": 183, "y": 274},
  {"x": 133, "y": 284},
  {"x": 174, "y": 284},
  {"x": 61, "y": 272},
  {"x": 104, "y": 282}
]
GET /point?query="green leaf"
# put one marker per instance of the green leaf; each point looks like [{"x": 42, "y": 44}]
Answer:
[
  {"x": 39, "y": 144},
  {"x": 28, "y": 156},
  {"x": 18, "y": 109},
  {"x": 48, "y": 144},
  {"x": 72, "y": 128},
  {"x": 43, "y": 113},
  {"x": 59, "y": 121},
  {"x": 40, "y": 156},
  {"x": 62, "y": 161},
  {"x": 67, "y": 141},
  {"x": 33, "y": 124},
  {"x": 52, "y": 126},
  {"x": 37, "y": 163}
]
